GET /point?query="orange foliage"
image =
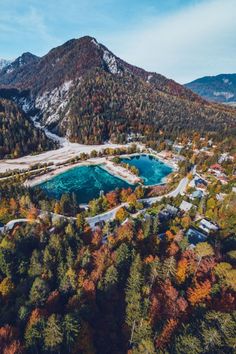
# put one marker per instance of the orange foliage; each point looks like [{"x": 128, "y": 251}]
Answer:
[
  {"x": 169, "y": 235},
  {"x": 32, "y": 214},
  {"x": 35, "y": 316},
  {"x": 112, "y": 199},
  {"x": 124, "y": 194},
  {"x": 89, "y": 287},
  {"x": 172, "y": 249},
  {"x": 199, "y": 293},
  {"x": 132, "y": 199},
  {"x": 9, "y": 343},
  {"x": 125, "y": 231},
  {"x": 149, "y": 259},
  {"x": 181, "y": 272},
  {"x": 102, "y": 259},
  {"x": 96, "y": 238},
  {"x": 166, "y": 333}
]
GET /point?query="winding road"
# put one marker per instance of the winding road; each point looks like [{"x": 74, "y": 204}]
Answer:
[{"x": 111, "y": 214}]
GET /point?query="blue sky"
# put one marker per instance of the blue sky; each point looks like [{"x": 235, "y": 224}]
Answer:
[{"x": 182, "y": 39}]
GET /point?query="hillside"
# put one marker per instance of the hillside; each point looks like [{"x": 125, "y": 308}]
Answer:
[
  {"x": 83, "y": 91},
  {"x": 220, "y": 88},
  {"x": 3, "y": 63},
  {"x": 18, "y": 136}
]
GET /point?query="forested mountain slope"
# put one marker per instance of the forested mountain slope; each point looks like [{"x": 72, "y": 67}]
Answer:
[
  {"x": 220, "y": 88},
  {"x": 83, "y": 91},
  {"x": 18, "y": 136}
]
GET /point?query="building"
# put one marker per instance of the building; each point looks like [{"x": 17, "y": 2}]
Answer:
[
  {"x": 177, "y": 148},
  {"x": 168, "y": 213},
  {"x": 216, "y": 167},
  {"x": 199, "y": 183},
  {"x": 195, "y": 235},
  {"x": 208, "y": 226},
  {"x": 186, "y": 206},
  {"x": 198, "y": 194}
]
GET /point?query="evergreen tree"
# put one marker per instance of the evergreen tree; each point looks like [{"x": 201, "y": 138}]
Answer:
[{"x": 53, "y": 334}]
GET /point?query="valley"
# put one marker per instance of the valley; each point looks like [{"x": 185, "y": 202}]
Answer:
[{"x": 117, "y": 208}]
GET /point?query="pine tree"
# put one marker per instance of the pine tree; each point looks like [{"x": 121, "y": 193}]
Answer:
[
  {"x": 133, "y": 296},
  {"x": 188, "y": 343},
  {"x": 53, "y": 335},
  {"x": 71, "y": 329}
]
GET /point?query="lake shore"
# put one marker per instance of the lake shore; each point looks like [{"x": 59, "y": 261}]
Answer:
[
  {"x": 66, "y": 152},
  {"x": 103, "y": 162}
]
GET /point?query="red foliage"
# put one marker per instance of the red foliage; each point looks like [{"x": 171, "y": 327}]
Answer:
[
  {"x": 172, "y": 249},
  {"x": 9, "y": 343},
  {"x": 53, "y": 302},
  {"x": 112, "y": 198},
  {"x": 166, "y": 333},
  {"x": 36, "y": 315},
  {"x": 166, "y": 302},
  {"x": 89, "y": 288},
  {"x": 226, "y": 301}
]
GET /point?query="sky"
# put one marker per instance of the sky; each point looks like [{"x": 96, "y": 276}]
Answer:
[{"x": 181, "y": 39}]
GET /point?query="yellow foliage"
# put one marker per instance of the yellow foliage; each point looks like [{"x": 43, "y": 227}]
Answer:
[{"x": 6, "y": 287}]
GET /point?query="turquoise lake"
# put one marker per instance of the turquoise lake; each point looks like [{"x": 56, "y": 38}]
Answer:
[
  {"x": 152, "y": 170},
  {"x": 88, "y": 181}
]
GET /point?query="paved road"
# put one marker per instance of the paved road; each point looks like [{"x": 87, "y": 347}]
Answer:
[
  {"x": 110, "y": 215},
  {"x": 12, "y": 223}
]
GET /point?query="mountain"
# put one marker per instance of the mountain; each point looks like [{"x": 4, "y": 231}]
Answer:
[
  {"x": 83, "y": 91},
  {"x": 220, "y": 88},
  {"x": 3, "y": 63},
  {"x": 18, "y": 136}
]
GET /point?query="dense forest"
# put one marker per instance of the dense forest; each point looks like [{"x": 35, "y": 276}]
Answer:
[
  {"x": 104, "y": 106},
  {"x": 130, "y": 287},
  {"x": 83, "y": 91},
  {"x": 18, "y": 136}
]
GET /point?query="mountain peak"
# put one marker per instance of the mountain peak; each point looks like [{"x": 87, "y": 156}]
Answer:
[{"x": 220, "y": 88}]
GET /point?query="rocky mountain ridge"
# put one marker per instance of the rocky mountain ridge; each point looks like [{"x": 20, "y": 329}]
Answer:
[{"x": 83, "y": 91}]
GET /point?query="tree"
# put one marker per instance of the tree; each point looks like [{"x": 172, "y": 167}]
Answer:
[
  {"x": 133, "y": 296},
  {"x": 57, "y": 208},
  {"x": 39, "y": 292},
  {"x": 121, "y": 214},
  {"x": 112, "y": 198},
  {"x": 71, "y": 328},
  {"x": 188, "y": 343},
  {"x": 80, "y": 221},
  {"x": 139, "y": 192},
  {"x": 203, "y": 249},
  {"x": 166, "y": 333},
  {"x": 34, "y": 335},
  {"x": 111, "y": 277},
  {"x": 6, "y": 287},
  {"x": 226, "y": 275},
  {"x": 32, "y": 214},
  {"x": 181, "y": 272},
  {"x": 53, "y": 334},
  {"x": 199, "y": 293}
]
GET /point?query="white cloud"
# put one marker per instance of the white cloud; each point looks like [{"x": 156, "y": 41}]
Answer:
[{"x": 196, "y": 41}]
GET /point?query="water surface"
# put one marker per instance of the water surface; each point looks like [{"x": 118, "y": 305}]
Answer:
[
  {"x": 85, "y": 181},
  {"x": 152, "y": 170}
]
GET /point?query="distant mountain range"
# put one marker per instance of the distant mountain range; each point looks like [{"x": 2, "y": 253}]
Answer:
[
  {"x": 81, "y": 90},
  {"x": 3, "y": 63},
  {"x": 220, "y": 88}
]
